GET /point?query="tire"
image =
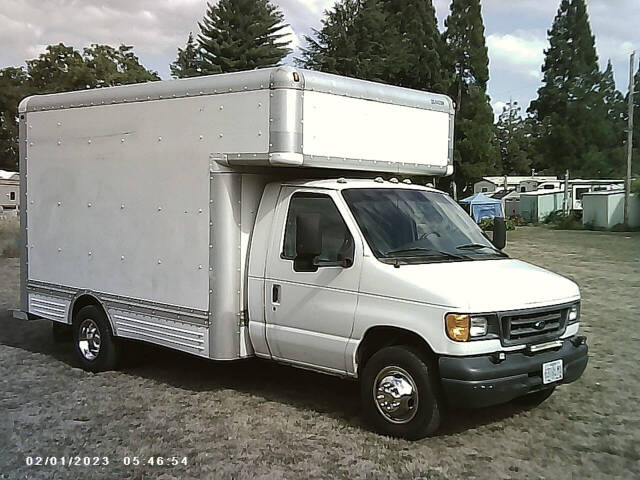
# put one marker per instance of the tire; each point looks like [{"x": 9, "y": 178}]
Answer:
[
  {"x": 93, "y": 342},
  {"x": 534, "y": 399},
  {"x": 61, "y": 332},
  {"x": 414, "y": 414}
]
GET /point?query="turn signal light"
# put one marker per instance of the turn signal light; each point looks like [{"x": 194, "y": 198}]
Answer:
[{"x": 457, "y": 327}]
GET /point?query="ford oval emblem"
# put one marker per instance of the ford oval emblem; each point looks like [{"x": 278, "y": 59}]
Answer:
[{"x": 539, "y": 325}]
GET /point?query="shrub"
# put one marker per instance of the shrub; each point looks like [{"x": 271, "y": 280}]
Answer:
[
  {"x": 487, "y": 224},
  {"x": 561, "y": 221}
]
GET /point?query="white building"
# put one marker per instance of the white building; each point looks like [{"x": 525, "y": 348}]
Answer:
[
  {"x": 497, "y": 183},
  {"x": 9, "y": 191}
]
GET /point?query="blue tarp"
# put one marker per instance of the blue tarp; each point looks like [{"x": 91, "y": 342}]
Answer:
[{"x": 482, "y": 206}]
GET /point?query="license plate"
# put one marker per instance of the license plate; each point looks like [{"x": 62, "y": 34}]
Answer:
[{"x": 551, "y": 371}]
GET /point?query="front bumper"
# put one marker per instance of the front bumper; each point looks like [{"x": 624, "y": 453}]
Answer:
[{"x": 481, "y": 381}]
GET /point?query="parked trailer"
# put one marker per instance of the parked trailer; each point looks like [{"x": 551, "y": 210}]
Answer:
[{"x": 174, "y": 213}]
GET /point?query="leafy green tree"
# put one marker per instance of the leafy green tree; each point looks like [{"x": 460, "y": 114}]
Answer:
[
  {"x": 242, "y": 35},
  {"x": 513, "y": 138},
  {"x": 60, "y": 69},
  {"x": 475, "y": 153},
  {"x": 189, "y": 61},
  {"x": 116, "y": 66},
  {"x": 576, "y": 105},
  {"x": 13, "y": 87}
]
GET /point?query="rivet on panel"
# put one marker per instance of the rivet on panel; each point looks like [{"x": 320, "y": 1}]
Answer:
[
  {"x": 159, "y": 139},
  {"x": 259, "y": 133},
  {"x": 201, "y": 137},
  {"x": 122, "y": 140},
  {"x": 59, "y": 203},
  {"x": 122, "y": 257},
  {"x": 89, "y": 252},
  {"x": 122, "y": 206},
  {"x": 221, "y": 107},
  {"x": 159, "y": 209},
  {"x": 89, "y": 205},
  {"x": 199, "y": 210},
  {"x": 210, "y": 291},
  {"x": 59, "y": 123},
  {"x": 199, "y": 267},
  {"x": 159, "y": 262},
  {"x": 210, "y": 246},
  {"x": 89, "y": 141},
  {"x": 220, "y": 135},
  {"x": 59, "y": 142},
  {"x": 59, "y": 249}
]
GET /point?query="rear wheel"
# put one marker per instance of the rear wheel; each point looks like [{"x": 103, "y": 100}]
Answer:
[
  {"x": 399, "y": 393},
  {"x": 94, "y": 344}
]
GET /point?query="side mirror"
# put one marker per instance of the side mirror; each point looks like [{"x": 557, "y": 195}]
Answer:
[
  {"x": 308, "y": 237},
  {"x": 499, "y": 233}
]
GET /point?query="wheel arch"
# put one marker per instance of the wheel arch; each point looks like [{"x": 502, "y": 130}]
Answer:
[
  {"x": 85, "y": 299},
  {"x": 381, "y": 336}
]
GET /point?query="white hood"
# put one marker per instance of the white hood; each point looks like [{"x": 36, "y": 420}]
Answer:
[{"x": 473, "y": 286}]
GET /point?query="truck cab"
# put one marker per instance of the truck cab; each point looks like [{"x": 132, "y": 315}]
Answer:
[{"x": 378, "y": 280}]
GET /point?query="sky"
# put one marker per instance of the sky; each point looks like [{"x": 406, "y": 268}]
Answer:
[{"x": 516, "y": 33}]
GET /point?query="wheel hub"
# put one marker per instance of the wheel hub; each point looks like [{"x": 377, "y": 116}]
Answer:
[
  {"x": 395, "y": 394},
  {"x": 89, "y": 339}
]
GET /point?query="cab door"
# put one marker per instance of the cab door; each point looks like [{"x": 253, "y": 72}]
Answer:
[{"x": 310, "y": 309}]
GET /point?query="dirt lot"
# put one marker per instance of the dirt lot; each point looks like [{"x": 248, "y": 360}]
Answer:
[{"x": 257, "y": 420}]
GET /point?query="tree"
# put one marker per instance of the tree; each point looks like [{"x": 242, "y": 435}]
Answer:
[
  {"x": 13, "y": 88},
  {"x": 513, "y": 138},
  {"x": 116, "y": 66},
  {"x": 60, "y": 69},
  {"x": 189, "y": 61},
  {"x": 576, "y": 101},
  {"x": 242, "y": 35},
  {"x": 475, "y": 153},
  {"x": 392, "y": 41},
  {"x": 333, "y": 50}
]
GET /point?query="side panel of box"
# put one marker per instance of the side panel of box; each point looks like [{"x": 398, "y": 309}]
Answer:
[{"x": 119, "y": 194}]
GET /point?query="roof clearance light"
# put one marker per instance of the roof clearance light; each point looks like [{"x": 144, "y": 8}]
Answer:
[{"x": 296, "y": 77}]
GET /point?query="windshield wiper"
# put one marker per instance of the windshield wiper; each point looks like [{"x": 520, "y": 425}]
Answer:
[
  {"x": 476, "y": 246},
  {"x": 426, "y": 252}
]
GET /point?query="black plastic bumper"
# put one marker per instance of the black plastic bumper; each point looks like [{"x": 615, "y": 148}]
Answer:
[{"x": 481, "y": 381}]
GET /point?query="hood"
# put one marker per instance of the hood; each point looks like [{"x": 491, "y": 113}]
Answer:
[{"x": 474, "y": 286}]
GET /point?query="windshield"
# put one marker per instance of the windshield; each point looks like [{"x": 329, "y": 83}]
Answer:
[{"x": 417, "y": 226}]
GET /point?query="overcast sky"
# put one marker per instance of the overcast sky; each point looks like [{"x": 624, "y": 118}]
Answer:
[{"x": 515, "y": 31}]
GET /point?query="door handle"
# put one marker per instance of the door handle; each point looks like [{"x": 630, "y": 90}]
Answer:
[{"x": 275, "y": 294}]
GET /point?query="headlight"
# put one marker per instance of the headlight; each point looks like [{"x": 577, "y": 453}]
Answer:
[
  {"x": 478, "y": 327},
  {"x": 574, "y": 313},
  {"x": 463, "y": 327}
]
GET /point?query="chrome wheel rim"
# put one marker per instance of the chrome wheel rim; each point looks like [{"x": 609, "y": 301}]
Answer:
[
  {"x": 395, "y": 395},
  {"x": 89, "y": 339}
]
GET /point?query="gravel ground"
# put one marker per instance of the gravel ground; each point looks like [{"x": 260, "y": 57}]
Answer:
[{"x": 257, "y": 420}]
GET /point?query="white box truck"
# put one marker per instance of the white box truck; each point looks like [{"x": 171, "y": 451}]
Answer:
[{"x": 245, "y": 214}]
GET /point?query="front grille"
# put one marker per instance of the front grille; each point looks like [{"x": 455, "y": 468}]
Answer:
[{"x": 533, "y": 326}]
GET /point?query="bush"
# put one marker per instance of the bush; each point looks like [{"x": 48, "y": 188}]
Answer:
[
  {"x": 561, "y": 221},
  {"x": 487, "y": 224}
]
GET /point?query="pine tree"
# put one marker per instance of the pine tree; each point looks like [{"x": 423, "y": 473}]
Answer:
[
  {"x": 392, "y": 41},
  {"x": 418, "y": 58},
  {"x": 513, "y": 140},
  {"x": 189, "y": 61},
  {"x": 576, "y": 130},
  {"x": 242, "y": 35},
  {"x": 333, "y": 50},
  {"x": 475, "y": 153}
]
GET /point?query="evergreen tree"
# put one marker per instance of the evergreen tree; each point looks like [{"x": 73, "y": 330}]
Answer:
[
  {"x": 189, "y": 61},
  {"x": 513, "y": 140},
  {"x": 576, "y": 130},
  {"x": 475, "y": 153},
  {"x": 13, "y": 88},
  {"x": 392, "y": 41},
  {"x": 333, "y": 50},
  {"x": 242, "y": 35}
]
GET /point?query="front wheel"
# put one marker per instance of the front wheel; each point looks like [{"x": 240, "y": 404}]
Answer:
[
  {"x": 95, "y": 346},
  {"x": 400, "y": 395}
]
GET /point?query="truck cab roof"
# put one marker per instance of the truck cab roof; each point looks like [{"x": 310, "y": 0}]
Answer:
[{"x": 343, "y": 183}]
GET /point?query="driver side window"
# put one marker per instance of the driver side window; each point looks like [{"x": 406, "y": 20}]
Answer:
[{"x": 336, "y": 240}]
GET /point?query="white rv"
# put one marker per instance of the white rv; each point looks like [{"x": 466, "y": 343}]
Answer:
[{"x": 246, "y": 214}]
